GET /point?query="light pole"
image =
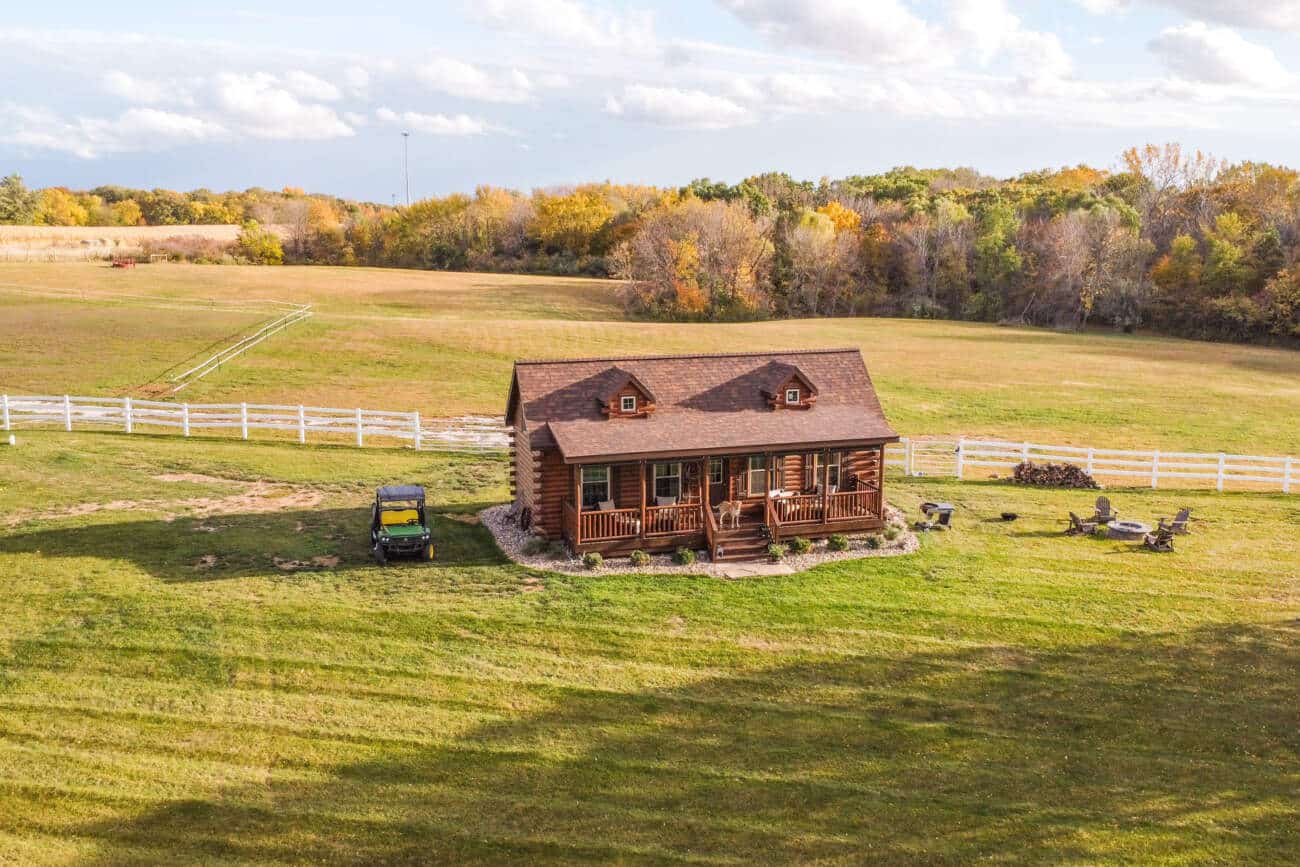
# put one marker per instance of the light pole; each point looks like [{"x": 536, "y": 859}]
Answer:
[{"x": 406, "y": 164}]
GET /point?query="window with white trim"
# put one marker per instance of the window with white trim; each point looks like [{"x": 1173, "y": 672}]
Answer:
[
  {"x": 628, "y": 403},
  {"x": 756, "y": 476},
  {"x": 668, "y": 480},
  {"x": 595, "y": 486},
  {"x": 812, "y": 463},
  {"x": 792, "y": 395},
  {"x": 715, "y": 471}
]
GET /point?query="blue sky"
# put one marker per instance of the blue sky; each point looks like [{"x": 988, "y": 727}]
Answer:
[{"x": 527, "y": 93}]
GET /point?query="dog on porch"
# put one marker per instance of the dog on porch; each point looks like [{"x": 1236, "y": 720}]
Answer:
[{"x": 729, "y": 509}]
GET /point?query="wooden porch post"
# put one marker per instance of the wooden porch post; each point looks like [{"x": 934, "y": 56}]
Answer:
[
  {"x": 643, "y": 527},
  {"x": 826, "y": 483},
  {"x": 767, "y": 490},
  {"x": 577, "y": 505},
  {"x": 704, "y": 487}
]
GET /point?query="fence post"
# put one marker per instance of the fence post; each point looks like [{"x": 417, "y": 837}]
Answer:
[
  {"x": 961, "y": 455},
  {"x": 1091, "y": 455},
  {"x": 185, "y": 419},
  {"x": 4, "y": 408},
  {"x": 1024, "y": 453},
  {"x": 417, "y": 431},
  {"x": 907, "y": 456},
  {"x": 67, "y": 413},
  {"x": 126, "y": 414},
  {"x": 1218, "y": 482},
  {"x": 243, "y": 420},
  {"x": 302, "y": 424},
  {"x": 1155, "y": 469},
  {"x": 1286, "y": 476},
  {"x": 359, "y": 435}
]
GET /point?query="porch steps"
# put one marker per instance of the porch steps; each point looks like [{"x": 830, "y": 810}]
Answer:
[{"x": 744, "y": 543}]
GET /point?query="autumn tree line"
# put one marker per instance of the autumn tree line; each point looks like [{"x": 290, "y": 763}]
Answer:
[{"x": 1175, "y": 241}]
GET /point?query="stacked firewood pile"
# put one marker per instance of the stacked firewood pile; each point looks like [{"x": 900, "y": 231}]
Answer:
[{"x": 1052, "y": 476}]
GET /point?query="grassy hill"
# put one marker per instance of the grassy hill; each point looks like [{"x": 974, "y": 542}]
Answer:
[
  {"x": 443, "y": 344},
  {"x": 199, "y": 664}
]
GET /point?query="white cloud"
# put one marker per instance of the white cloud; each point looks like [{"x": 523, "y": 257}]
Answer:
[
  {"x": 882, "y": 32},
  {"x": 568, "y": 21},
  {"x": 1256, "y": 14},
  {"x": 463, "y": 80},
  {"x": 994, "y": 32},
  {"x": 674, "y": 107},
  {"x": 144, "y": 91},
  {"x": 1217, "y": 55},
  {"x": 356, "y": 79},
  {"x": 137, "y": 129},
  {"x": 309, "y": 86},
  {"x": 264, "y": 109},
  {"x": 437, "y": 124}
]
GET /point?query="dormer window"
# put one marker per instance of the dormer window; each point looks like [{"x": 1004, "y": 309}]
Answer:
[
  {"x": 792, "y": 395},
  {"x": 628, "y": 403}
]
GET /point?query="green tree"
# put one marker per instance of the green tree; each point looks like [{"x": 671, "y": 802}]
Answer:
[
  {"x": 17, "y": 203},
  {"x": 1226, "y": 269},
  {"x": 258, "y": 245}
]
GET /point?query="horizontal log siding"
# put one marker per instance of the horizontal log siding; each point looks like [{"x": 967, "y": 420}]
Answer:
[{"x": 555, "y": 485}]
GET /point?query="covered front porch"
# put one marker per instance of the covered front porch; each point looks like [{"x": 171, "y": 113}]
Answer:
[{"x": 658, "y": 505}]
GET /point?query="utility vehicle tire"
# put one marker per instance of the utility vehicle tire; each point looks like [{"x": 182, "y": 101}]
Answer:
[
  {"x": 428, "y": 551},
  {"x": 380, "y": 556}
]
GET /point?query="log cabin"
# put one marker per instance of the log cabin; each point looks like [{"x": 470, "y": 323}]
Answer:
[{"x": 619, "y": 454}]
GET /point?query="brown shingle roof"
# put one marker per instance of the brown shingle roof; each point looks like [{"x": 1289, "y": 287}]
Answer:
[{"x": 705, "y": 403}]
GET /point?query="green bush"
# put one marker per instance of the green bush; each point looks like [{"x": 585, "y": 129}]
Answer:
[
  {"x": 891, "y": 533},
  {"x": 838, "y": 542},
  {"x": 874, "y": 541},
  {"x": 593, "y": 560},
  {"x": 800, "y": 545},
  {"x": 639, "y": 558},
  {"x": 535, "y": 545},
  {"x": 556, "y": 550},
  {"x": 683, "y": 556},
  {"x": 777, "y": 551}
]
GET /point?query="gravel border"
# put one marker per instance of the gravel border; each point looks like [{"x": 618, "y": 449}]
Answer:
[{"x": 510, "y": 539}]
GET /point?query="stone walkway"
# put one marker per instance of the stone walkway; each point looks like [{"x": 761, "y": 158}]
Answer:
[{"x": 752, "y": 570}]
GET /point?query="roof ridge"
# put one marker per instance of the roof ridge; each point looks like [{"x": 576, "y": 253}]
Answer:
[{"x": 685, "y": 355}]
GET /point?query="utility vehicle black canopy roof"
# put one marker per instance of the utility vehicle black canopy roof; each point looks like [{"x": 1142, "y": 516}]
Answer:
[{"x": 401, "y": 492}]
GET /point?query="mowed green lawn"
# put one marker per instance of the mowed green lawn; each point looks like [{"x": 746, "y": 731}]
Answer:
[
  {"x": 169, "y": 694},
  {"x": 444, "y": 344}
]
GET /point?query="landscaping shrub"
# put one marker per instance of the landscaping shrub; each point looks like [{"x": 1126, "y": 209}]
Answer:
[
  {"x": 593, "y": 560},
  {"x": 535, "y": 545},
  {"x": 800, "y": 545},
  {"x": 891, "y": 533},
  {"x": 777, "y": 551},
  {"x": 557, "y": 551},
  {"x": 683, "y": 556},
  {"x": 639, "y": 558},
  {"x": 874, "y": 541},
  {"x": 1052, "y": 476},
  {"x": 838, "y": 542}
]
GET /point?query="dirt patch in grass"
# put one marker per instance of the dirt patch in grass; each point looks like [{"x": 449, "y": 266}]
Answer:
[
  {"x": 196, "y": 478},
  {"x": 256, "y": 497},
  {"x": 206, "y": 562},
  {"x": 472, "y": 520},
  {"x": 321, "y": 562}
]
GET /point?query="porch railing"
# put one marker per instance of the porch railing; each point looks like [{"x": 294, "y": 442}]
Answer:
[
  {"x": 599, "y": 526},
  {"x": 812, "y": 509},
  {"x": 863, "y": 503},
  {"x": 674, "y": 520},
  {"x": 800, "y": 509}
]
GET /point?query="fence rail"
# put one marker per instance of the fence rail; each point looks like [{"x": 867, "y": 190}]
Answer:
[
  {"x": 963, "y": 458},
  {"x": 914, "y": 456},
  {"x": 358, "y": 426}
]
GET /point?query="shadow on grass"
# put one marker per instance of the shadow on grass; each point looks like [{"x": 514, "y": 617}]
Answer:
[
  {"x": 1178, "y": 747},
  {"x": 237, "y": 545}
]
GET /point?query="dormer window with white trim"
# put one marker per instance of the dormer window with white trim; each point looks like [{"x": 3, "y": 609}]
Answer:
[
  {"x": 628, "y": 403},
  {"x": 792, "y": 395}
]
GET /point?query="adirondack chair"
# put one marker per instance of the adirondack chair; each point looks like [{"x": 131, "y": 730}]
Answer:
[
  {"x": 1161, "y": 540},
  {"x": 1104, "y": 513},
  {"x": 1079, "y": 527},
  {"x": 1179, "y": 523}
]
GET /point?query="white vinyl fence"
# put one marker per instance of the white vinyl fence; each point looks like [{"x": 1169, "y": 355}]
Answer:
[
  {"x": 971, "y": 458},
  {"x": 914, "y": 456},
  {"x": 356, "y": 426}
]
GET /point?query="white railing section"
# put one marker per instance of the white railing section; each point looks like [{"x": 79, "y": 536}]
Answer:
[
  {"x": 971, "y": 458},
  {"x": 356, "y": 426},
  {"x": 915, "y": 456}
]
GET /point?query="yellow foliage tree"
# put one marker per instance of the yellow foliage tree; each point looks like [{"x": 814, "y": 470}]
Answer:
[
  {"x": 570, "y": 222},
  {"x": 58, "y": 207},
  {"x": 844, "y": 219}
]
